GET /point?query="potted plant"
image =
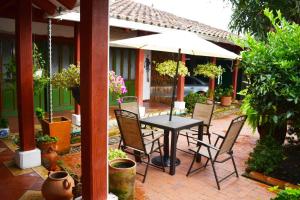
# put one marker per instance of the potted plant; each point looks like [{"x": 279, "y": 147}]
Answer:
[
  {"x": 168, "y": 68},
  {"x": 211, "y": 71},
  {"x": 122, "y": 172},
  {"x": 47, "y": 145},
  {"x": 4, "y": 130},
  {"x": 226, "y": 96}
]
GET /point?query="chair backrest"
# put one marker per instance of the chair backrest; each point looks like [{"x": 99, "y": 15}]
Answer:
[
  {"x": 130, "y": 103},
  {"x": 130, "y": 130},
  {"x": 203, "y": 111},
  {"x": 232, "y": 133}
]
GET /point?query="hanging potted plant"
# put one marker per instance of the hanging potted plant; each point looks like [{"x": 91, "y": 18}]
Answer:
[
  {"x": 4, "y": 129},
  {"x": 122, "y": 172},
  {"x": 209, "y": 70},
  {"x": 47, "y": 145}
]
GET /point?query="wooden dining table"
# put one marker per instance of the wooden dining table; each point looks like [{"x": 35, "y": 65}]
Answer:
[{"x": 174, "y": 126}]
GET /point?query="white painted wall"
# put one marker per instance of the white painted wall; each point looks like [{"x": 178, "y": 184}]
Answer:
[{"x": 147, "y": 76}]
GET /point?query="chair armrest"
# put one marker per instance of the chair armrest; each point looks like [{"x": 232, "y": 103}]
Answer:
[
  {"x": 220, "y": 136},
  {"x": 153, "y": 139},
  {"x": 205, "y": 144}
]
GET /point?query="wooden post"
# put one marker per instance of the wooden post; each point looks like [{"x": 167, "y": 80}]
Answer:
[
  {"x": 212, "y": 81},
  {"x": 180, "y": 83},
  {"x": 94, "y": 30},
  {"x": 139, "y": 75},
  {"x": 77, "y": 56},
  {"x": 235, "y": 78},
  {"x": 24, "y": 74}
]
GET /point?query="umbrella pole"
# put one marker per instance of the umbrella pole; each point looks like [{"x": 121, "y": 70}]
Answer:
[{"x": 174, "y": 85}]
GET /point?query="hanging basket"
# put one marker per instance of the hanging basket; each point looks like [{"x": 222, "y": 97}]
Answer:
[{"x": 76, "y": 94}]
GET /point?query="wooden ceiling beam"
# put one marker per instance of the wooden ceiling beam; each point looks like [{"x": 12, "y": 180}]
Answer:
[
  {"x": 45, "y": 5},
  {"x": 69, "y": 4},
  {"x": 6, "y": 4}
]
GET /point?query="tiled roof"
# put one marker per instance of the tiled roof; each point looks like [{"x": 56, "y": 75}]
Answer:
[{"x": 137, "y": 12}]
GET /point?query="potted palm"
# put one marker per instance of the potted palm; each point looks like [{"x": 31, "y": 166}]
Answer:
[{"x": 4, "y": 130}]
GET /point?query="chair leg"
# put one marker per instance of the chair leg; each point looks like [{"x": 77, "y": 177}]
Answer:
[
  {"x": 146, "y": 170},
  {"x": 235, "y": 169},
  {"x": 206, "y": 162},
  {"x": 209, "y": 140},
  {"x": 119, "y": 147},
  {"x": 194, "y": 159},
  {"x": 187, "y": 138},
  {"x": 215, "y": 173}
]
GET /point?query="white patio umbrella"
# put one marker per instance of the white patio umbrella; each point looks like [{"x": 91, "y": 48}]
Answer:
[{"x": 176, "y": 42}]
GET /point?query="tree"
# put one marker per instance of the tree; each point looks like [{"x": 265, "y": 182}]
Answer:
[
  {"x": 248, "y": 15},
  {"x": 273, "y": 68}
]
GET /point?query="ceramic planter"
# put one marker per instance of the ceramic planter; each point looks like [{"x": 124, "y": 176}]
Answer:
[
  {"x": 58, "y": 185},
  {"x": 4, "y": 132},
  {"x": 226, "y": 101},
  {"x": 60, "y": 127},
  {"x": 49, "y": 155},
  {"x": 122, "y": 174}
]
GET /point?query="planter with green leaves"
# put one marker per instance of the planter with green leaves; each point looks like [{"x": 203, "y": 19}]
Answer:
[
  {"x": 47, "y": 145},
  {"x": 4, "y": 129},
  {"x": 122, "y": 172},
  {"x": 226, "y": 97}
]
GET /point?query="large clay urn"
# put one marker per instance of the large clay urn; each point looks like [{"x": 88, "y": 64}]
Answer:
[
  {"x": 58, "y": 185},
  {"x": 122, "y": 174},
  {"x": 49, "y": 155}
]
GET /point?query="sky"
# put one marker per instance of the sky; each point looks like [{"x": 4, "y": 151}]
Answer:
[{"x": 215, "y": 13}]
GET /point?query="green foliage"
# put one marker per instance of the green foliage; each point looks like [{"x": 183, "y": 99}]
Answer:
[
  {"x": 248, "y": 16},
  {"x": 273, "y": 68},
  {"x": 40, "y": 77},
  {"x": 221, "y": 91},
  {"x": 169, "y": 68},
  {"x": 193, "y": 98},
  {"x": 266, "y": 156},
  {"x": 116, "y": 153},
  {"x": 41, "y": 139},
  {"x": 40, "y": 113},
  {"x": 3, "y": 123},
  {"x": 252, "y": 116},
  {"x": 286, "y": 194},
  {"x": 68, "y": 78},
  {"x": 208, "y": 70}
]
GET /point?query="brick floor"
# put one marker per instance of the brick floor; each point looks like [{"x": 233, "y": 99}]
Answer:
[{"x": 201, "y": 185}]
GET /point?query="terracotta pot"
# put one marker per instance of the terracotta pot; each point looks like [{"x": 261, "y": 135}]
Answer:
[
  {"x": 226, "y": 101},
  {"x": 49, "y": 155},
  {"x": 60, "y": 127},
  {"x": 122, "y": 174},
  {"x": 58, "y": 185}
]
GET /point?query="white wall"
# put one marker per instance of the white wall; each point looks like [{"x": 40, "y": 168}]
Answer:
[{"x": 147, "y": 76}]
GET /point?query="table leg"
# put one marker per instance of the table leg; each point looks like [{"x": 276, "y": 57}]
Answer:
[
  {"x": 200, "y": 137},
  {"x": 173, "y": 152},
  {"x": 166, "y": 145}
]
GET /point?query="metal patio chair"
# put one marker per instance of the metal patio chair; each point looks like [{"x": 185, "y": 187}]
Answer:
[
  {"x": 212, "y": 152},
  {"x": 133, "y": 140},
  {"x": 202, "y": 111}
]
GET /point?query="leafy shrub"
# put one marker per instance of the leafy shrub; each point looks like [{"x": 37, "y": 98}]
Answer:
[
  {"x": 221, "y": 91},
  {"x": 286, "y": 194},
  {"x": 116, "y": 153},
  {"x": 41, "y": 139},
  {"x": 266, "y": 156},
  {"x": 40, "y": 113},
  {"x": 193, "y": 98}
]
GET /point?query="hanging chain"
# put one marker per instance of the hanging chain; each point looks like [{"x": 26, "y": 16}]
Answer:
[{"x": 50, "y": 70}]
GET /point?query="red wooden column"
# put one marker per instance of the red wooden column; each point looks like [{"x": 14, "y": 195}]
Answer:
[
  {"x": 180, "y": 83},
  {"x": 77, "y": 56},
  {"x": 212, "y": 81},
  {"x": 139, "y": 75},
  {"x": 24, "y": 74},
  {"x": 235, "y": 78},
  {"x": 94, "y": 30}
]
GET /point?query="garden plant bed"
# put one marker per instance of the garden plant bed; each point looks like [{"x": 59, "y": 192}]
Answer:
[{"x": 286, "y": 174}]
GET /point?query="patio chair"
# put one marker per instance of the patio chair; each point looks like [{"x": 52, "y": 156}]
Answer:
[
  {"x": 134, "y": 141},
  {"x": 213, "y": 152},
  {"x": 202, "y": 111}
]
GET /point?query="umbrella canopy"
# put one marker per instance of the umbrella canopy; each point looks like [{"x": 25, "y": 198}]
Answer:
[{"x": 189, "y": 43}]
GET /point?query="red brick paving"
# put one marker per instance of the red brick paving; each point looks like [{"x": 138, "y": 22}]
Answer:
[
  {"x": 201, "y": 185},
  {"x": 13, "y": 187}
]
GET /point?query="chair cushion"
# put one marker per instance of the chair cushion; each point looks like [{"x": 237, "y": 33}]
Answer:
[{"x": 204, "y": 151}]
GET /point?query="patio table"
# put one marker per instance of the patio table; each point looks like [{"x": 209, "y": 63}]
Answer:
[{"x": 177, "y": 124}]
